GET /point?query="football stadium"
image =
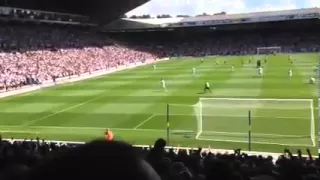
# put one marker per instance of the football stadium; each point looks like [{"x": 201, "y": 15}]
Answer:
[{"x": 242, "y": 87}]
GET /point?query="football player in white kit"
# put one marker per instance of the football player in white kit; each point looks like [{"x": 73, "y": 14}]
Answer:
[
  {"x": 207, "y": 88},
  {"x": 290, "y": 73},
  {"x": 193, "y": 71},
  {"x": 312, "y": 80},
  {"x": 163, "y": 84},
  {"x": 260, "y": 71}
]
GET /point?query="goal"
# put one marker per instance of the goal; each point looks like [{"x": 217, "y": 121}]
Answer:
[
  {"x": 287, "y": 122},
  {"x": 268, "y": 50}
]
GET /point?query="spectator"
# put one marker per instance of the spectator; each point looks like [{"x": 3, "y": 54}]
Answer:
[
  {"x": 95, "y": 160},
  {"x": 35, "y": 55},
  {"x": 156, "y": 155},
  {"x": 116, "y": 160}
]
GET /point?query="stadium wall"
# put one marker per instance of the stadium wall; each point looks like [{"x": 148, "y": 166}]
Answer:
[{"x": 74, "y": 78}]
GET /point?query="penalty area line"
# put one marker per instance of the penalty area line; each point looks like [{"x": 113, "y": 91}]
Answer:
[
  {"x": 146, "y": 120},
  {"x": 28, "y": 123},
  {"x": 65, "y": 128}
]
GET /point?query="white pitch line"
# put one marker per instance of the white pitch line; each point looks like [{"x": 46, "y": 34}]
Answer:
[
  {"x": 88, "y": 128},
  {"x": 221, "y": 116},
  {"x": 24, "y": 132},
  {"x": 143, "y": 122},
  {"x": 59, "y": 112},
  {"x": 261, "y": 134},
  {"x": 254, "y": 142}
]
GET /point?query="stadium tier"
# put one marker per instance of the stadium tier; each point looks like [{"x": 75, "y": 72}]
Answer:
[{"x": 243, "y": 87}]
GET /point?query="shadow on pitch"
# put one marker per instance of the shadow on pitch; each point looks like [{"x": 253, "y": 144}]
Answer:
[
  {"x": 205, "y": 93},
  {"x": 185, "y": 134}
]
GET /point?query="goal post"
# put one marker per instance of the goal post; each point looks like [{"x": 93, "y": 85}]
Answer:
[
  {"x": 198, "y": 110},
  {"x": 268, "y": 50},
  {"x": 273, "y": 121},
  {"x": 287, "y": 122}
]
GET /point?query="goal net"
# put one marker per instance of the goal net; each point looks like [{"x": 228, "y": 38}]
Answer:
[
  {"x": 273, "y": 121},
  {"x": 268, "y": 50}
]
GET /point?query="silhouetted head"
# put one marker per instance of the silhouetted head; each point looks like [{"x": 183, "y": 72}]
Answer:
[
  {"x": 160, "y": 144},
  {"x": 96, "y": 160}
]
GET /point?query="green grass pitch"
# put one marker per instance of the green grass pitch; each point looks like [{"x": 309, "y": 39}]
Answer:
[{"x": 133, "y": 105}]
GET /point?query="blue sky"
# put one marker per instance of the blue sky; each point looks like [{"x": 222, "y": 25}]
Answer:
[{"x": 194, "y": 7}]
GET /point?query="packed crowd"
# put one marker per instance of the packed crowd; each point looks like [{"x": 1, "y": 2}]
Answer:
[
  {"x": 35, "y": 54},
  {"x": 117, "y": 160},
  {"x": 226, "y": 43}
]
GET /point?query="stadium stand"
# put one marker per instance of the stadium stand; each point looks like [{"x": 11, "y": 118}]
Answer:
[
  {"x": 48, "y": 160},
  {"x": 48, "y": 53},
  {"x": 34, "y": 54},
  {"x": 272, "y": 14}
]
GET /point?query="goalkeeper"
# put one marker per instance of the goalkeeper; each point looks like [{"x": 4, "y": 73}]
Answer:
[{"x": 207, "y": 88}]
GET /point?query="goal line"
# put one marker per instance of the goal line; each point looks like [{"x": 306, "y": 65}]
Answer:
[
  {"x": 258, "y": 99},
  {"x": 257, "y": 134},
  {"x": 256, "y": 142}
]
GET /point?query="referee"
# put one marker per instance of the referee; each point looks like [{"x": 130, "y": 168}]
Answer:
[{"x": 207, "y": 87}]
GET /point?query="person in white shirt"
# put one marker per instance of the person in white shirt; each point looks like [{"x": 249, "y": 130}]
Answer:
[
  {"x": 207, "y": 87},
  {"x": 163, "y": 84},
  {"x": 193, "y": 71},
  {"x": 154, "y": 67},
  {"x": 232, "y": 68},
  {"x": 260, "y": 71},
  {"x": 290, "y": 73},
  {"x": 312, "y": 80},
  {"x": 291, "y": 59}
]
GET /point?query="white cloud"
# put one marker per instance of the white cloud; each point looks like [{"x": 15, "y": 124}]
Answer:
[
  {"x": 195, "y": 7},
  {"x": 282, "y": 5},
  {"x": 191, "y": 7},
  {"x": 312, "y": 3},
  {"x": 216, "y": 6}
]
